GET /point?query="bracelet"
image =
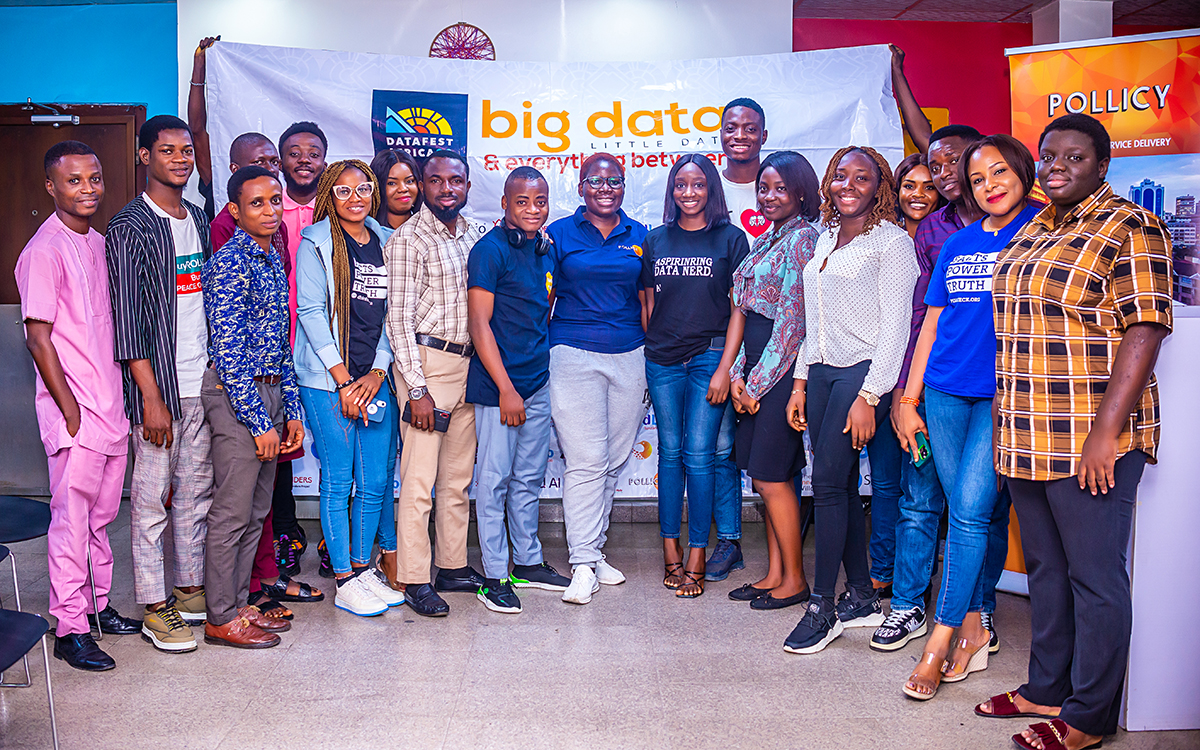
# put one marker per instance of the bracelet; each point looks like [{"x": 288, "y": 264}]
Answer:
[
  {"x": 202, "y": 83},
  {"x": 380, "y": 372},
  {"x": 910, "y": 400},
  {"x": 347, "y": 384}
]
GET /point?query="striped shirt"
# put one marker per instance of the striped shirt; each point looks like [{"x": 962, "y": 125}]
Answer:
[
  {"x": 427, "y": 286},
  {"x": 1063, "y": 298},
  {"x": 142, "y": 282}
]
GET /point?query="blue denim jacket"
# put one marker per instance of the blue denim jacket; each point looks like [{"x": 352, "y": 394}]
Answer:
[
  {"x": 317, "y": 345},
  {"x": 246, "y": 300}
]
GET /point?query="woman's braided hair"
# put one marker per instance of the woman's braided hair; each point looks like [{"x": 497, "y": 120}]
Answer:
[
  {"x": 885, "y": 196},
  {"x": 323, "y": 207}
]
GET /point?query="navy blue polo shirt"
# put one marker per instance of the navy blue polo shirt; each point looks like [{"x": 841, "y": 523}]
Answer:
[
  {"x": 520, "y": 279},
  {"x": 596, "y": 304}
]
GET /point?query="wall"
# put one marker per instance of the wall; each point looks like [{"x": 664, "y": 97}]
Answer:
[
  {"x": 562, "y": 30},
  {"x": 957, "y": 66},
  {"x": 126, "y": 57}
]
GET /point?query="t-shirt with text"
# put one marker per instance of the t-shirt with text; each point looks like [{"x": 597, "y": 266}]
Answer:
[
  {"x": 963, "y": 359},
  {"x": 368, "y": 301},
  {"x": 691, "y": 273},
  {"x": 191, "y": 326}
]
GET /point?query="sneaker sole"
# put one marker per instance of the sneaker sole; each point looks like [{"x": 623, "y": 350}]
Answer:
[
  {"x": 820, "y": 645},
  {"x": 496, "y": 607},
  {"x": 536, "y": 585},
  {"x": 611, "y": 581},
  {"x": 723, "y": 576},
  {"x": 194, "y": 618},
  {"x": 869, "y": 621},
  {"x": 165, "y": 646},
  {"x": 886, "y": 647},
  {"x": 361, "y": 614}
]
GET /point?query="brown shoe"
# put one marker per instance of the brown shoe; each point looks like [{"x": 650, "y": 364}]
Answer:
[
  {"x": 261, "y": 621},
  {"x": 387, "y": 566},
  {"x": 239, "y": 633}
]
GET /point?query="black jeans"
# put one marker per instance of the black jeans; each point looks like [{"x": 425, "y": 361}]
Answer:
[
  {"x": 840, "y": 523},
  {"x": 283, "y": 503},
  {"x": 1082, "y": 617}
]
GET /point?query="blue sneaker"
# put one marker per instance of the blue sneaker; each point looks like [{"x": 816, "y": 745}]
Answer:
[{"x": 726, "y": 558}]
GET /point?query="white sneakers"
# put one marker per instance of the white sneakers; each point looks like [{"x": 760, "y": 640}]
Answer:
[
  {"x": 583, "y": 584},
  {"x": 385, "y": 593},
  {"x": 607, "y": 574},
  {"x": 355, "y": 596}
]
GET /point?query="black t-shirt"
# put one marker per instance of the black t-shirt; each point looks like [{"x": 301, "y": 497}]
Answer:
[
  {"x": 368, "y": 299},
  {"x": 691, "y": 273}
]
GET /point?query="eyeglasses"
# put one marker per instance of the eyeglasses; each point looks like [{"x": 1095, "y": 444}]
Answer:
[
  {"x": 364, "y": 190},
  {"x": 596, "y": 182}
]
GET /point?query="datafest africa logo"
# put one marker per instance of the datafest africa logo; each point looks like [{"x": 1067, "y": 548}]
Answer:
[{"x": 419, "y": 122}]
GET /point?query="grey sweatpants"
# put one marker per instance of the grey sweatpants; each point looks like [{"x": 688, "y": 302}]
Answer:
[{"x": 598, "y": 402}]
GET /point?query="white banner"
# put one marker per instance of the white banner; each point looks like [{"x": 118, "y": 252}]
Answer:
[{"x": 551, "y": 115}]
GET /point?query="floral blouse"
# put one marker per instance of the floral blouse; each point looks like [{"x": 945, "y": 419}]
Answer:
[{"x": 769, "y": 283}]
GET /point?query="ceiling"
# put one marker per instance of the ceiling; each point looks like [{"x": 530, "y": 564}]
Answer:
[{"x": 1178, "y": 13}]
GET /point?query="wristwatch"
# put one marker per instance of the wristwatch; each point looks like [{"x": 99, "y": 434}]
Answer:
[
  {"x": 871, "y": 399},
  {"x": 418, "y": 393}
]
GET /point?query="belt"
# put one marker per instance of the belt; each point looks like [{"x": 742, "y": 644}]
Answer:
[
  {"x": 267, "y": 379},
  {"x": 433, "y": 342}
]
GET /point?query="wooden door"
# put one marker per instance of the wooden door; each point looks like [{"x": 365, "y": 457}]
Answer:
[{"x": 111, "y": 131}]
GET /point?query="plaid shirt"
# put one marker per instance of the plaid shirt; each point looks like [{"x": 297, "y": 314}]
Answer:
[
  {"x": 427, "y": 286},
  {"x": 1063, "y": 298}
]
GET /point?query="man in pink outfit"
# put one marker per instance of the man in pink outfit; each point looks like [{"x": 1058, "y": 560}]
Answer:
[{"x": 63, "y": 280}]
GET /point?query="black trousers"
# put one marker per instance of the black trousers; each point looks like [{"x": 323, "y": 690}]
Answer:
[
  {"x": 283, "y": 503},
  {"x": 841, "y": 525},
  {"x": 1075, "y": 547}
]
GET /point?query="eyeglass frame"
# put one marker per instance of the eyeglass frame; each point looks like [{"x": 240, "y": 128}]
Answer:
[
  {"x": 600, "y": 181},
  {"x": 356, "y": 189}
]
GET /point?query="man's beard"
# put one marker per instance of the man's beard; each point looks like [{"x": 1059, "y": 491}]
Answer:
[{"x": 446, "y": 215}]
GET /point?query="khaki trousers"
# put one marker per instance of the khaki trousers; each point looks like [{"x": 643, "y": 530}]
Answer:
[{"x": 436, "y": 461}]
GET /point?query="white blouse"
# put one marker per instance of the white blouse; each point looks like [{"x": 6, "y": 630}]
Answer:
[{"x": 858, "y": 304}]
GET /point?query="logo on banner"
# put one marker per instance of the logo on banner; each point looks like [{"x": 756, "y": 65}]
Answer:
[
  {"x": 642, "y": 450},
  {"x": 419, "y": 122}
]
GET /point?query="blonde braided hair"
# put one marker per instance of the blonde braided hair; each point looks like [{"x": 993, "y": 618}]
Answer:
[{"x": 325, "y": 206}]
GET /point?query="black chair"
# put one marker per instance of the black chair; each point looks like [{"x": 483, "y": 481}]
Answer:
[
  {"x": 19, "y": 633},
  {"x": 22, "y": 519}
]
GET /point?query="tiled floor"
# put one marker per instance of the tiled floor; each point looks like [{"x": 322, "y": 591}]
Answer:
[{"x": 636, "y": 668}]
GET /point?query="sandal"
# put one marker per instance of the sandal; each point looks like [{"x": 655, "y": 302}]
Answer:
[
  {"x": 977, "y": 663},
  {"x": 1053, "y": 735},
  {"x": 281, "y": 591},
  {"x": 270, "y": 607},
  {"x": 1004, "y": 706},
  {"x": 932, "y": 660},
  {"x": 691, "y": 578},
  {"x": 674, "y": 577}
]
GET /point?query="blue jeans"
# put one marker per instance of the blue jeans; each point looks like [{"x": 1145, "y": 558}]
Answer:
[
  {"x": 360, "y": 457},
  {"x": 886, "y": 457},
  {"x": 510, "y": 467},
  {"x": 921, "y": 508},
  {"x": 960, "y": 435},
  {"x": 727, "y": 505},
  {"x": 687, "y": 443}
]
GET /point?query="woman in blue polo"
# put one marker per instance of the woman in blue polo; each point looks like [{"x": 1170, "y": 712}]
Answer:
[{"x": 597, "y": 370}]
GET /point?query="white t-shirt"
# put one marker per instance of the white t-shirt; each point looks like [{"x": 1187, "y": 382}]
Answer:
[
  {"x": 191, "y": 326},
  {"x": 742, "y": 199}
]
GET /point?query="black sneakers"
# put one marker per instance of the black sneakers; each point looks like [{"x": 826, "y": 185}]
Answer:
[
  {"x": 985, "y": 619},
  {"x": 541, "y": 576},
  {"x": 860, "y": 609},
  {"x": 900, "y": 627},
  {"x": 816, "y": 630},
  {"x": 499, "y": 596},
  {"x": 725, "y": 558}
]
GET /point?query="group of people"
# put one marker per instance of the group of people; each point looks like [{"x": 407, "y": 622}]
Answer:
[{"x": 978, "y": 343}]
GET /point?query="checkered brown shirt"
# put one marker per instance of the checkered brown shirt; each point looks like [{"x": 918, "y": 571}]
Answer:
[{"x": 1063, "y": 299}]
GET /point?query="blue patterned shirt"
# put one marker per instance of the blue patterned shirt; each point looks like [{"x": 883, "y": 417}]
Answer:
[{"x": 246, "y": 299}]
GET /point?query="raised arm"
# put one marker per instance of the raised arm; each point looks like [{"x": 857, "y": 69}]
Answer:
[
  {"x": 915, "y": 121},
  {"x": 197, "y": 110}
]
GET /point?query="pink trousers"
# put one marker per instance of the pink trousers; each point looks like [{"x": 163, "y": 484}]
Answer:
[{"x": 85, "y": 494}]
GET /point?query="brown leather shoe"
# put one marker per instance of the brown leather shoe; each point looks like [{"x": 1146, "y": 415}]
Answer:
[
  {"x": 239, "y": 633},
  {"x": 261, "y": 621},
  {"x": 387, "y": 566}
]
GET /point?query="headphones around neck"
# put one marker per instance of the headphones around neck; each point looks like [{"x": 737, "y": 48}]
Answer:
[{"x": 518, "y": 239}]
